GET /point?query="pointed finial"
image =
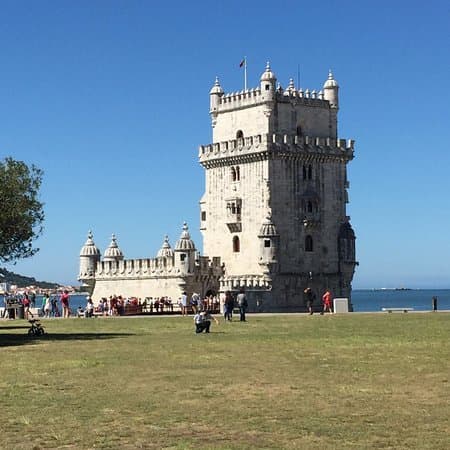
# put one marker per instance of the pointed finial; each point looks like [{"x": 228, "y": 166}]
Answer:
[
  {"x": 217, "y": 81},
  {"x": 90, "y": 235},
  {"x": 268, "y": 66},
  {"x": 291, "y": 86},
  {"x": 330, "y": 74}
]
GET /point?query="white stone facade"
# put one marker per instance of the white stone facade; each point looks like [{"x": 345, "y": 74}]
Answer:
[
  {"x": 169, "y": 274},
  {"x": 276, "y": 164}
]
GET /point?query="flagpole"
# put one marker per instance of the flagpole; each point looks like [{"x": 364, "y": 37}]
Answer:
[{"x": 245, "y": 73}]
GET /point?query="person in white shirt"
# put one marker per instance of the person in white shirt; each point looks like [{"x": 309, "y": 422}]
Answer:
[{"x": 202, "y": 321}]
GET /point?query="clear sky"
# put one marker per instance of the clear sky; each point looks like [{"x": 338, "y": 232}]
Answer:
[{"x": 110, "y": 99}]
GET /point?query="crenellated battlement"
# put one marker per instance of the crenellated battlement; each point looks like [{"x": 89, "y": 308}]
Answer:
[
  {"x": 252, "y": 97},
  {"x": 276, "y": 143},
  {"x": 151, "y": 268},
  {"x": 301, "y": 97}
]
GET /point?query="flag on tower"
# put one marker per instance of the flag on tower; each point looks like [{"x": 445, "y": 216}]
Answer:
[{"x": 241, "y": 64}]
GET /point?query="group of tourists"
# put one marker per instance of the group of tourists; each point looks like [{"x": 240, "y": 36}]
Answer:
[
  {"x": 203, "y": 317},
  {"x": 229, "y": 304},
  {"x": 197, "y": 303},
  {"x": 310, "y": 299}
]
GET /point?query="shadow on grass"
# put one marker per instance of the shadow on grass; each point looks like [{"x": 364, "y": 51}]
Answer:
[{"x": 9, "y": 339}]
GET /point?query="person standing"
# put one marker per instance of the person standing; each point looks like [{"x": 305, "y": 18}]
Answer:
[
  {"x": 44, "y": 301},
  {"x": 194, "y": 302},
  {"x": 47, "y": 306},
  {"x": 434, "y": 303},
  {"x": 243, "y": 304},
  {"x": 309, "y": 298},
  {"x": 26, "y": 307},
  {"x": 89, "y": 311},
  {"x": 228, "y": 306},
  {"x": 65, "y": 304},
  {"x": 326, "y": 299},
  {"x": 53, "y": 302},
  {"x": 184, "y": 304}
]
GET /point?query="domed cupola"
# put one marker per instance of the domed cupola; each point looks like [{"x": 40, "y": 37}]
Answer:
[
  {"x": 166, "y": 249},
  {"x": 113, "y": 252},
  {"x": 185, "y": 243},
  {"x": 217, "y": 88},
  {"x": 268, "y": 75},
  {"x": 267, "y": 229},
  {"x": 89, "y": 248}
]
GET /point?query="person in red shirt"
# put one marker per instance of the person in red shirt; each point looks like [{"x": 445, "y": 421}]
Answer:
[
  {"x": 326, "y": 302},
  {"x": 26, "y": 307},
  {"x": 65, "y": 304}
]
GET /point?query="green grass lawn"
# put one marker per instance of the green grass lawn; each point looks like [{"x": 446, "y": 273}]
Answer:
[{"x": 356, "y": 381}]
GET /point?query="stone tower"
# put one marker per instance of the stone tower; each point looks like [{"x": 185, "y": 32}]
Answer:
[{"x": 274, "y": 207}]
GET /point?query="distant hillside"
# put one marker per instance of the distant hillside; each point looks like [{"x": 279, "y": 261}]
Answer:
[{"x": 21, "y": 281}]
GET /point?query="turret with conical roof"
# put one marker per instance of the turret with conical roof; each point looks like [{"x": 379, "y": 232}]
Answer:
[
  {"x": 331, "y": 91},
  {"x": 214, "y": 95},
  {"x": 268, "y": 83},
  {"x": 113, "y": 252},
  {"x": 185, "y": 252},
  {"x": 269, "y": 244},
  {"x": 89, "y": 256}
]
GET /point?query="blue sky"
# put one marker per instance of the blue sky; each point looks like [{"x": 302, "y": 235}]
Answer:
[{"x": 110, "y": 99}]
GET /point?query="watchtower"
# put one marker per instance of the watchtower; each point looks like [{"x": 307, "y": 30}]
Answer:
[{"x": 274, "y": 207}]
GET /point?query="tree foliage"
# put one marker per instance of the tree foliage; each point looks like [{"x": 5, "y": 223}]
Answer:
[{"x": 21, "y": 212}]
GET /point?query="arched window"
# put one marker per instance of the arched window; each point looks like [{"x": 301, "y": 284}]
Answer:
[
  {"x": 299, "y": 131},
  {"x": 309, "y": 172},
  {"x": 238, "y": 173},
  {"x": 240, "y": 134},
  {"x": 310, "y": 207},
  {"x": 308, "y": 243},
  {"x": 236, "y": 244},
  {"x": 233, "y": 174}
]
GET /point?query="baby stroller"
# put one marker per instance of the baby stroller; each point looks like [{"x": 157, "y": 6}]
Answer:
[{"x": 36, "y": 328}]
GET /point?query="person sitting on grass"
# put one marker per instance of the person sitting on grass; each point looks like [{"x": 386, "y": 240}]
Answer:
[{"x": 202, "y": 321}]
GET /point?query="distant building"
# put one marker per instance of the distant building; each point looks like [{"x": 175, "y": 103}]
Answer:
[
  {"x": 5, "y": 288},
  {"x": 273, "y": 215}
]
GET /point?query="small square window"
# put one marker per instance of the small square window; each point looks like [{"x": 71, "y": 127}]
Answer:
[
  {"x": 267, "y": 87},
  {"x": 203, "y": 215},
  {"x": 182, "y": 257},
  {"x": 266, "y": 242}
]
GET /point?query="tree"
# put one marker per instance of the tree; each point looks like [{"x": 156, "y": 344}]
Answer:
[{"x": 21, "y": 212}]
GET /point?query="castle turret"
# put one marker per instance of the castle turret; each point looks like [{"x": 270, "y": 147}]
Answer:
[
  {"x": 113, "y": 252},
  {"x": 268, "y": 244},
  {"x": 185, "y": 252},
  {"x": 330, "y": 91},
  {"x": 268, "y": 83},
  {"x": 89, "y": 256},
  {"x": 214, "y": 96}
]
